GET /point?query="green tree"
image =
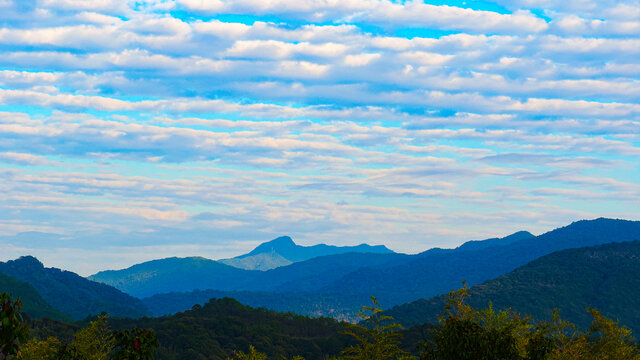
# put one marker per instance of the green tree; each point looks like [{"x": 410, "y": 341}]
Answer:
[
  {"x": 135, "y": 344},
  {"x": 36, "y": 349},
  {"x": 468, "y": 334},
  {"x": 377, "y": 339},
  {"x": 94, "y": 342},
  {"x": 253, "y": 354},
  {"x": 13, "y": 330}
]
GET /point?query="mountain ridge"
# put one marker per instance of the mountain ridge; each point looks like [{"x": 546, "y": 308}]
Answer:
[
  {"x": 283, "y": 251},
  {"x": 604, "y": 277},
  {"x": 70, "y": 293}
]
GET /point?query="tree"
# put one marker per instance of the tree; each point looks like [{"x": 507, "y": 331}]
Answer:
[
  {"x": 468, "y": 334},
  {"x": 13, "y": 330},
  {"x": 377, "y": 339},
  {"x": 135, "y": 344}
]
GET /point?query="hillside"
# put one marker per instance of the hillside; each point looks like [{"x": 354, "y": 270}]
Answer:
[
  {"x": 214, "y": 330},
  {"x": 33, "y": 303},
  {"x": 174, "y": 274},
  {"x": 71, "y": 293},
  {"x": 605, "y": 277}
]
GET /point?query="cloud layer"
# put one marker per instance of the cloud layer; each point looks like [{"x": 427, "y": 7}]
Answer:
[{"x": 160, "y": 127}]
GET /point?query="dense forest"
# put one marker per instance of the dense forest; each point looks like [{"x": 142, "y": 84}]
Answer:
[
  {"x": 225, "y": 329},
  {"x": 604, "y": 277}
]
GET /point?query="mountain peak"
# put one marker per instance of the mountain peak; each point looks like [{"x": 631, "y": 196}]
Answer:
[
  {"x": 285, "y": 248},
  {"x": 280, "y": 245},
  {"x": 27, "y": 260},
  {"x": 281, "y": 242}
]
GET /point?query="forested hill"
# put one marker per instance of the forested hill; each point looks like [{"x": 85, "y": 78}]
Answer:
[
  {"x": 605, "y": 277},
  {"x": 71, "y": 293},
  {"x": 33, "y": 303},
  {"x": 215, "y": 330}
]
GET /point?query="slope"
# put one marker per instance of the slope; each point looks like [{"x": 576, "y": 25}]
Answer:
[
  {"x": 214, "y": 330},
  {"x": 32, "y": 303},
  {"x": 71, "y": 293},
  {"x": 605, "y": 277}
]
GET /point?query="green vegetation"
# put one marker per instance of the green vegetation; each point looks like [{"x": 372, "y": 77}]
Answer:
[
  {"x": 69, "y": 292},
  {"x": 13, "y": 330},
  {"x": 604, "y": 277},
  {"x": 32, "y": 303},
  {"x": 94, "y": 342},
  {"x": 224, "y": 329}
]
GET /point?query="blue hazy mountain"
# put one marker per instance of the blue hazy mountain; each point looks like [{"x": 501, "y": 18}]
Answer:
[
  {"x": 283, "y": 251},
  {"x": 393, "y": 278},
  {"x": 604, "y": 277},
  {"x": 71, "y": 293},
  {"x": 436, "y": 272},
  {"x": 196, "y": 273},
  {"x": 192, "y": 273}
]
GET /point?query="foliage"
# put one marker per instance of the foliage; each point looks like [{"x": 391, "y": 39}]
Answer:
[
  {"x": 253, "y": 354},
  {"x": 32, "y": 302},
  {"x": 377, "y": 338},
  {"x": 135, "y": 344},
  {"x": 215, "y": 330},
  {"x": 13, "y": 329},
  {"x": 604, "y": 277},
  {"x": 467, "y": 333},
  {"x": 36, "y": 349},
  {"x": 94, "y": 342}
]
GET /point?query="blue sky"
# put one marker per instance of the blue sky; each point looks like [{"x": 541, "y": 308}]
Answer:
[{"x": 133, "y": 130}]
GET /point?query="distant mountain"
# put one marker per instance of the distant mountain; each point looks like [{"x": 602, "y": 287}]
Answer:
[
  {"x": 283, "y": 251},
  {"x": 605, "y": 277},
  {"x": 32, "y": 302},
  {"x": 393, "y": 278},
  {"x": 437, "y": 271},
  {"x": 337, "y": 306},
  {"x": 262, "y": 261},
  {"x": 482, "y": 244},
  {"x": 71, "y": 293},
  {"x": 188, "y": 274},
  {"x": 174, "y": 274}
]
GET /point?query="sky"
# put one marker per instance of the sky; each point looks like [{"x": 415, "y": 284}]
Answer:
[{"x": 136, "y": 130}]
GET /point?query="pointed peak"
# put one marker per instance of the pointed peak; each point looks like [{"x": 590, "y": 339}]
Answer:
[
  {"x": 282, "y": 240},
  {"x": 277, "y": 245}
]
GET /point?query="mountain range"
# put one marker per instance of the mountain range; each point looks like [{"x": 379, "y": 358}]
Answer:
[
  {"x": 284, "y": 251},
  {"x": 196, "y": 273},
  {"x": 325, "y": 285},
  {"x": 333, "y": 284}
]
